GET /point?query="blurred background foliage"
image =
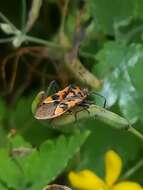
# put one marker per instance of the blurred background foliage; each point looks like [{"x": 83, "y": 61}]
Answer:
[{"x": 104, "y": 40}]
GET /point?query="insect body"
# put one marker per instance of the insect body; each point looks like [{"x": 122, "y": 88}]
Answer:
[
  {"x": 60, "y": 95},
  {"x": 60, "y": 102},
  {"x": 70, "y": 101}
]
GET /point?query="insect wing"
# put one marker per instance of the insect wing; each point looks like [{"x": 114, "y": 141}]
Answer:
[
  {"x": 60, "y": 95},
  {"x": 67, "y": 104},
  {"x": 46, "y": 111}
]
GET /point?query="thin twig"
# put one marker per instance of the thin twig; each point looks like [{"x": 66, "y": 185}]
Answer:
[
  {"x": 43, "y": 42},
  {"x": 64, "y": 13},
  {"x": 23, "y": 16},
  {"x": 5, "y": 40},
  {"x": 135, "y": 132},
  {"x": 132, "y": 170},
  {"x": 78, "y": 71},
  {"x": 13, "y": 78},
  {"x": 33, "y": 14},
  {"x": 3, "y": 65}
]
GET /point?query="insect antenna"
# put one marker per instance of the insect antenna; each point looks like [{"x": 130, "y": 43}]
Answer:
[{"x": 52, "y": 87}]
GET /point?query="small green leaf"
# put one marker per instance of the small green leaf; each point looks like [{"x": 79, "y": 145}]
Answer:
[
  {"x": 17, "y": 141},
  {"x": 6, "y": 28}
]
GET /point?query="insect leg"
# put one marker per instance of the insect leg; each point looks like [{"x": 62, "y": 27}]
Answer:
[
  {"x": 85, "y": 106},
  {"x": 97, "y": 94}
]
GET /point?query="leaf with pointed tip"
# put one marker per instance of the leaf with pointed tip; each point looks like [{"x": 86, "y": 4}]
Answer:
[
  {"x": 52, "y": 158},
  {"x": 43, "y": 166}
]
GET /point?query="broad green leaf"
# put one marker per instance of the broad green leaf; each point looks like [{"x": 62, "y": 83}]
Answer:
[
  {"x": 121, "y": 67},
  {"x": 43, "y": 166},
  {"x": 27, "y": 167},
  {"x": 3, "y": 186},
  {"x": 17, "y": 141},
  {"x": 108, "y": 13},
  {"x": 53, "y": 158}
]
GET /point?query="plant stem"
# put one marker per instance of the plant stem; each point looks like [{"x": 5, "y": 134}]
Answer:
[
  {"x": 132, "y": 170},
  {"x": 63, "y": 17},
  {"x": 5, "y": 40},
  {"x": 42, "y": 42},
  {"x": 111, "y": 119},
  {"x": 23, "y": 17},
  {"x": 6, "y": 20},
  {"x": 33, "y": 14},
  {"x": 78, "y": 71},
  {"x": 135, "y": 132}
]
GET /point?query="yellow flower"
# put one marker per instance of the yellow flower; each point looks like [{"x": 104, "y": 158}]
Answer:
[{"x": 87, "y": 180}]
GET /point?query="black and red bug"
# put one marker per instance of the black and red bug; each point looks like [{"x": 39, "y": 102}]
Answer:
[{"x": 63, "y": 101}]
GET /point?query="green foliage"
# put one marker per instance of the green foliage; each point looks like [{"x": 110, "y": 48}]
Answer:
[
  {"x": 102, "y": 39},
  {"x": 122, "y": 77},
  {"x": 22, "y": 166},
  {"x": 22, "y": 120},
  {"x": 102, "y": 139},
  {"x": 108, "y": 13}
]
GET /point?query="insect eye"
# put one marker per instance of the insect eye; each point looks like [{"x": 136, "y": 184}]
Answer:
[{"x": 43, "y": 103}]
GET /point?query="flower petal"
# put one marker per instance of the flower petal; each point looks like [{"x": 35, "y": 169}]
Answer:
[
  {"x": 85, "y": 180},
  {"x": 113, "y": 166},
  {"x": 127, "y": 185}
]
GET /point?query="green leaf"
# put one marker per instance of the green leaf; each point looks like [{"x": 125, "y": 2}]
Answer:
[
  {"x": 10, "y": 174},
  {"x": 30, "y": 168},
  {"x": 23, "y": 121},
  {"x": 121, "y": 67},
  {"x": 43, "y": 166},
  {"x": 108, "y": 13},
  {"x": 53, "y": 158},
  {"x": 3, "y": 186},
  {"x": 102, "y": 139},
  {"x": 17, "y": 141}
]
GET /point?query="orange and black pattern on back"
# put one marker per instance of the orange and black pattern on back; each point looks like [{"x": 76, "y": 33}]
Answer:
[
  {"x": 77, "y": 92},
  {"x": 60, "y": 102},
  {"x": 66, "y": 105},
  {"x": 69, "y": 91},
  {"x": 60, "y": 95}
]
